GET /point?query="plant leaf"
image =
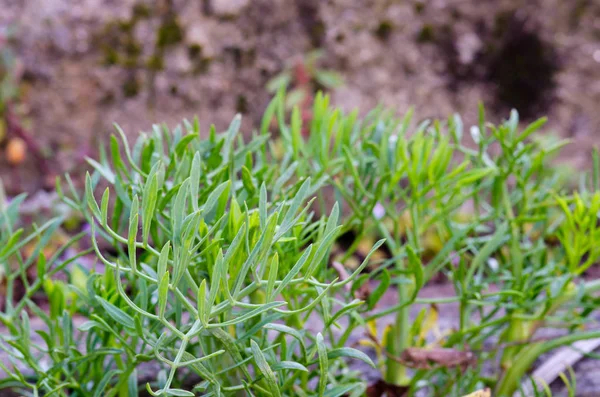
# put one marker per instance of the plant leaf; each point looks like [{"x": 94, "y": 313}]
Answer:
[
  {"x": 263, "y": 367},
  {"x": 116, "y": 314}
]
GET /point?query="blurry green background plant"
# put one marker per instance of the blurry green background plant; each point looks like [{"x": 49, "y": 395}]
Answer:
[{"x": 303, "y": 76}]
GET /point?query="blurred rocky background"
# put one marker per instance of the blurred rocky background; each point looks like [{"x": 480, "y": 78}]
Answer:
[{"x": 71, "y": 68}]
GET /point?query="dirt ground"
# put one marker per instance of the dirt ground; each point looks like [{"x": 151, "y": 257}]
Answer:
[{"x": 88, "y": 63}]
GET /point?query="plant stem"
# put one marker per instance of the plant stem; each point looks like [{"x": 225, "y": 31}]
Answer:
[
  {"x": 464, "y": 315},
  {"x": 398, "y": 340}
]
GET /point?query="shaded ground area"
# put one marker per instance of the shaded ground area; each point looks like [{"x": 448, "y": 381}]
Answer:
[{"x": 89, "y": 63}]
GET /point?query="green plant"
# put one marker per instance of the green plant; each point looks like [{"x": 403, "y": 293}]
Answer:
[
  {"x": 496, "y": 210},
  {"x": 218, "y": 277},
  {"x": 58, "y": 364},
  {"x": 214, "y": 266}
]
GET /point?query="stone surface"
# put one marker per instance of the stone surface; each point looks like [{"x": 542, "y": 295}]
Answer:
[{"x": 425, "y": 54}]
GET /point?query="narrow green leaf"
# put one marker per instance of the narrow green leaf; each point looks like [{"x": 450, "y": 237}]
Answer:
[
  {"x": 15, "y": 241},
  {"x": 179, "y": 393},
  {"x": 268, "y": 115},
  {"x": 163, "y": 294},
  {"x": 332, "y": 222},
  {"x": 116, "y": 314},
  {"x": 342, "y": 390},
  {"x": 284, "y": 177},
  {"x": 183, "y": 144},
  {"x": 41, "y": 266},
  {"x": 531, "y": 128},
  {"x": 350, "y": 353},
  {"x": 132, "y": 384},
  {"x": 89, "y": 196},
  {"x": 258, "y": 326},
  {"x": 127, "y": 150},
  {"x": 296, "y": 202},
  {"x": 415, "y": 266},
  {"x": 457, "y": 128},
  {"x": 273, "y": 272},
  {"x": 364, "y": 264},
  {"x": 214, "y": 196},
  {"x": 289, "y": 365},
  {"x": 102, "y": 169},
  {"x": 237, "y": 318},
  {"x": 89, "y": 325},
  {"x": 99, "y": 388},
  {"x": 218, "y": 274},
  {"x": 235, "y": 244},
  {"x": 378, "y": 292},
  {"x": 195, "y": 180},
  {"x": 296, "y": 132},
  {"x": 328, "y": 78},
  {"x": 26, "y": 329},
  {"x": 232, "y": 131},
  {"x": 472, "y": 176},
  {"x": 149, "y": 204},
  {"x": 294, "y": 271},
  {"x": 132, "y": 235},
  {"x": 263, "y": 367},
  {"x": 116, "y": 154},
  {"x": 287, "y": 330},
  {"x": 323, "y": 364},
  {"x": 163, "y": 260},
  {"x": 231, "y": 346},
  {"x": 10, "y": 244},
  {"x": 348, "y": 308},
  {"x": 488, "y": 249},
  {"x": 262, "y": 206},
  {"x": 201, "y": 302},
  {"x": 324, "y": 246},
  {"x": 513, "y": 123},
  {"x": 104, "y": 207},
  {"x": 247, "y": 181},
  {"x": 179, "y": 211},
  {"x": 260, "y": 249}
]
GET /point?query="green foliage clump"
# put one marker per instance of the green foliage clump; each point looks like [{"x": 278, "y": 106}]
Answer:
[{"x": 217, "y": 281}]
